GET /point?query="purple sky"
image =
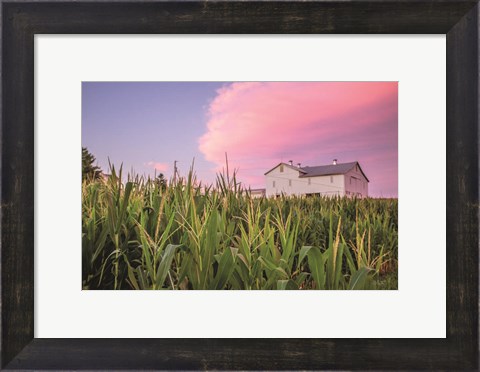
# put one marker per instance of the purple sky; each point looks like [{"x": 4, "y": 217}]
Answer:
[{"x": 149, "y": 125}]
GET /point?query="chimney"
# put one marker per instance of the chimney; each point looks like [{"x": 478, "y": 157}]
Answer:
[
  {"x": 334, "y": 161},
  {"x": 299, "y": 164},
  {"x": 291, "y": 162}
]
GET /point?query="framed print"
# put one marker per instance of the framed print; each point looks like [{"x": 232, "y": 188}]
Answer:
[
  {"x": 165, "y": 60},
  {"x": 70, "y": 67}
]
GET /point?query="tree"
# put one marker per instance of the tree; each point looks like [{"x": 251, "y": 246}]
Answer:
[
  {"x": 89, "y": 170},
  {"x": 161, "y": 181}
]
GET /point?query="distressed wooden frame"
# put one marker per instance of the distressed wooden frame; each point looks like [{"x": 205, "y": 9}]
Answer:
[{"x": 21, "y": 20}]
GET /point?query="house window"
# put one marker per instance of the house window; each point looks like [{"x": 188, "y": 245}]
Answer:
[
  {"x": 289, "y": 182},
  {"x": 273, "y": 183},
  {"x": 281, "y": 168},
  {"x": 331, "y": 179},
  {"x": 309, "y": 181}
]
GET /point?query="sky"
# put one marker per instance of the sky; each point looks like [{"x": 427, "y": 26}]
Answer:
[{"x": 148, "y": 125}]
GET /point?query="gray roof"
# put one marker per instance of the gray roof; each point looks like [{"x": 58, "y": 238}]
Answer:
[
  {"x": 323, "y": 170},
  {"x": 258, "y": 190},
  {"x": 331, "y": 169}
]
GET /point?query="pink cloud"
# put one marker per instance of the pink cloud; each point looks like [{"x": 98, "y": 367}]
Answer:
[
  {"x": 161, "y": 167},
  {"x": 260, "y": 124}
]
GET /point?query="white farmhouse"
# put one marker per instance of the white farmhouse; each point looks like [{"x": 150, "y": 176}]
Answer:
[{"x": 337, "y": 179}]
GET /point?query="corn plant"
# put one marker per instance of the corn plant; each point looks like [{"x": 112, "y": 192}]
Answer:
[{"x": 138, "y": 234}]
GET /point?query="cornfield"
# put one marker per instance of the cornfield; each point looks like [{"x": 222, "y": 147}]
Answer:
[{"x": 140, "y": 234}]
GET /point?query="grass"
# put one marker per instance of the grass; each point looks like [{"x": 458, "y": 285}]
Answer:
[{"x": 140, "y": 234}]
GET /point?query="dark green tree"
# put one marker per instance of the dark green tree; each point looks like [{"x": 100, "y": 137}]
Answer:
[
  {"x": 161, "y": 181},
  {"x": 89, "y": 170}
]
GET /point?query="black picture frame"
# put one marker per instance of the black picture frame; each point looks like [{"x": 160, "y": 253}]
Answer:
[{"x": 458, "y": 20}]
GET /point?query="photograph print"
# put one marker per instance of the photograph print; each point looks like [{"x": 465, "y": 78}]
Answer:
[{"x": 239, "y": 185}]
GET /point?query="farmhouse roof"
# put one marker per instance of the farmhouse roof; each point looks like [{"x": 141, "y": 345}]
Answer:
[
  {"x": 323, "y": 170},
  {"x": 331, "y": 169}
]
